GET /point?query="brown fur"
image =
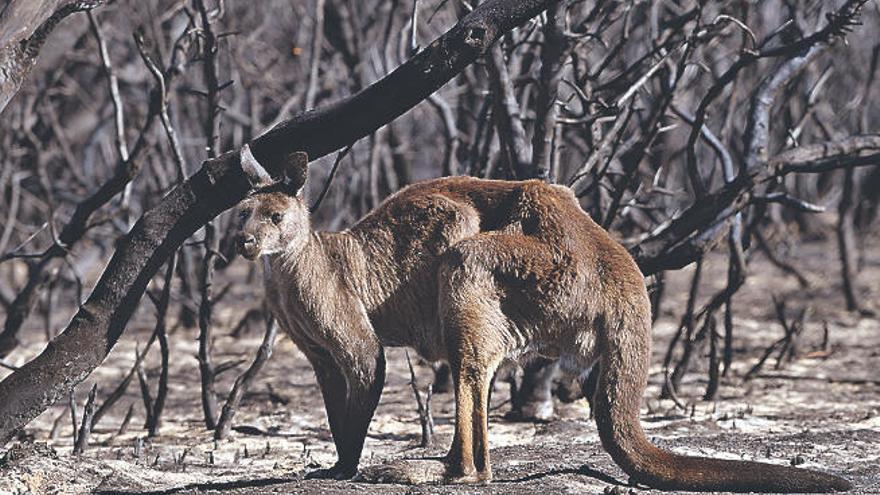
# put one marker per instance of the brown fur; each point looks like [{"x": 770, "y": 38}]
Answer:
[{"x": 475, "y": 272}]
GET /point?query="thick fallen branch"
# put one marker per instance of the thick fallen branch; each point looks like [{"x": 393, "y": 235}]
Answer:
[{"x": 219, "y": 185}]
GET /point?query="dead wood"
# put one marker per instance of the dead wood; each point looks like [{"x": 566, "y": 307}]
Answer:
[{"x": 218, "y": 185}]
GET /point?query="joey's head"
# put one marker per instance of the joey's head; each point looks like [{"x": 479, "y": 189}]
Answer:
[{"x": 275, "y": 218}]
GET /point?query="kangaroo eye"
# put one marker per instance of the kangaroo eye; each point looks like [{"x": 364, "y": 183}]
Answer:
[{"x": 276, "y": 218}]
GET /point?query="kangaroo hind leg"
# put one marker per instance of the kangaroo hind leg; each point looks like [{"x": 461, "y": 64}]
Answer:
[
  {"x": 474, "y": 328},
  {"x": 468, "y": 457}
]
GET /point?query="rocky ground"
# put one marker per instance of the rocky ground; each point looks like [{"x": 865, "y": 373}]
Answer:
[{"x": 821, "y": 411}]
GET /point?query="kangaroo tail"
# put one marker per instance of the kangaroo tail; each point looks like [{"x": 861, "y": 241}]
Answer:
[{"x": 622, "y": 378}]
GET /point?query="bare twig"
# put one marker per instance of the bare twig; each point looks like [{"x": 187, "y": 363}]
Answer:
[
  {"x": 85, "y": 429},
  {"x": 506, "y": 113},
  {"x": 424, "y": 406},
  {"x": 317, "y": 41},
  {"x": 74, "y": 422},
  {"x": 330, "y": 177},
  {"x": 113, "y": 85},
  {"x": 206, "y": 366},
  {"x": 155, "y": 419},
  {"x": 243, "y": 382},
  {"x": 120, "y": 389},
  {"x": 146, "y": 396},
  {"x": 554, "y": 50},
  {"x": 211, "y": 129}
]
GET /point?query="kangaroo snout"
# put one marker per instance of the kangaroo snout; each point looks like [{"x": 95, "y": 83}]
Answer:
[{"x": 247, "y": 245}]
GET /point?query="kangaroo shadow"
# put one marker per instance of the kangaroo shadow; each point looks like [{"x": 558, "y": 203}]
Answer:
[{"x": 584, "y": 470}]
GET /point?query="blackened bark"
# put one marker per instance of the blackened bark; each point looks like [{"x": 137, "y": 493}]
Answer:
[{"x": 21, "y": 42}]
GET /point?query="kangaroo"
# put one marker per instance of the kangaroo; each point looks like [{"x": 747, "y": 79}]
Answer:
[{"x": 473, "y": 272}]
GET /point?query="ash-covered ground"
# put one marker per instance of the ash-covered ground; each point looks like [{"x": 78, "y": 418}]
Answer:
[{"x": 822, "y": 411}]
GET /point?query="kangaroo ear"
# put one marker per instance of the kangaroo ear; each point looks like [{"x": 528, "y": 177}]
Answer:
[
  {"x": 296, "y": 171},
  {"x": 256, "y": 174}
]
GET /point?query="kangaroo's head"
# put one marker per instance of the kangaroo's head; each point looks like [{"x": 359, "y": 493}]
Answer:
[{"x": 274, "y": 218}]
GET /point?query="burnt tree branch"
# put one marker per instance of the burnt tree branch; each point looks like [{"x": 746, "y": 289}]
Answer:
[
  {"x": 19, "y": 56},
  {"x": 219, "y": 185},
  {"x": 126, "y": 169},
  {"x": 698, "y": 228},
  {"x": 511, "y": 134}
]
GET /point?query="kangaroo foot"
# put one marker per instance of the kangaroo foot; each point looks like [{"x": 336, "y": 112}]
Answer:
[
  {"x": 337, "y": 472},
  {"x": 538, "y": 410},
  {"x": 456, "y": 474},
  {"x": 405, "y": 472},
  {"x": 532, "y": 412},
  {"x": 475, "y": 478}
]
